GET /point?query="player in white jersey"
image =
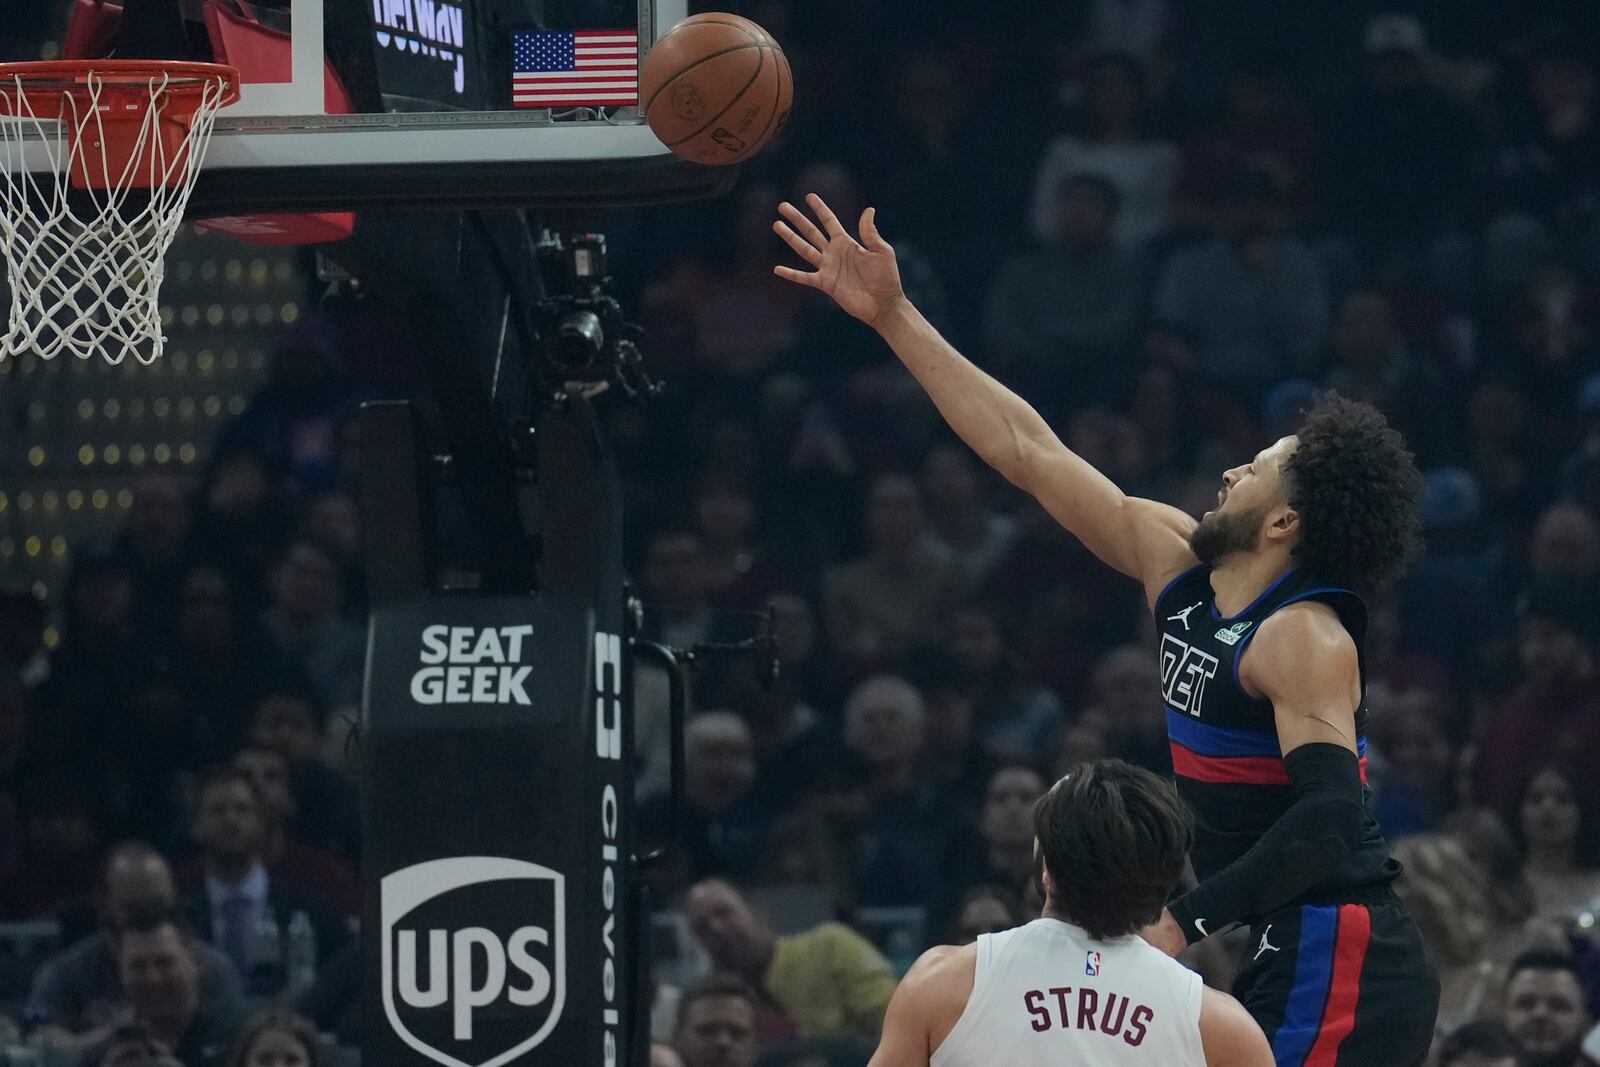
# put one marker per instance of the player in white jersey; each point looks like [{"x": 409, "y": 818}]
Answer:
[{"x": 1078, "y": 987}]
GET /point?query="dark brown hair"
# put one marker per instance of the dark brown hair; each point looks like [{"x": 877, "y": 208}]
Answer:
[{"x": 1113, "y": 838}]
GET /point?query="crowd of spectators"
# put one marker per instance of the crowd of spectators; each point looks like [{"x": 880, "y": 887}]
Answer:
[{"x": 1168, "y": 224}]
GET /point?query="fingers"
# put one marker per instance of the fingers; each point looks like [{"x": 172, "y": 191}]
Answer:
[
  {"x": 804, "y": 249},
  {"x": 803, "y": 225},
  {"x": 830, "y": 221},
  {"x": 869, "y": 231},
  {"x": 811, "y": 278}
]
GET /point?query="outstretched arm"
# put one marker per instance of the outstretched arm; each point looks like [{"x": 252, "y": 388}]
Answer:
[{"x": 1141, "y": 538}]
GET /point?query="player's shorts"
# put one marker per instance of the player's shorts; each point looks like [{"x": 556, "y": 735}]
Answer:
[{"x": 1341, "y": 985}]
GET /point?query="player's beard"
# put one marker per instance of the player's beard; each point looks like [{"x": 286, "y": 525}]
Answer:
[{"x": 1221, "y": 535}]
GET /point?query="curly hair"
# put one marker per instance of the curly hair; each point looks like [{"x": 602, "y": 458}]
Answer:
[{"x": 1356, "y": 488}]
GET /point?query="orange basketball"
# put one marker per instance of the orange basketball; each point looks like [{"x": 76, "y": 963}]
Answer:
[{"x": 716, "y": 88}]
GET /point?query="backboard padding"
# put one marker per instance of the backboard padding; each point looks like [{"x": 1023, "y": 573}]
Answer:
[{"x": 408, "y": 138}]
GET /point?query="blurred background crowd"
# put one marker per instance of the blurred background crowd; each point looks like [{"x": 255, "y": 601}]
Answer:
[{"x": 1168, "y": 224}]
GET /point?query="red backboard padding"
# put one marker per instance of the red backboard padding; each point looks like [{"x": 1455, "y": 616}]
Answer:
[
  {"x": 92, "y": 29},
  {"x": 263, "y": 54}
]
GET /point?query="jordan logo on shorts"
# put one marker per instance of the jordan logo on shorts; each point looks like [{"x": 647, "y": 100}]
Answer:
[{"x": 1266, "y": 946}]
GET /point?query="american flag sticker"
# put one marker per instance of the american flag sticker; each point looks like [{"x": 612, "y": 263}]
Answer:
[
  {"x": 1091, "y": 967},
  {"x": 581, "y": 68}
]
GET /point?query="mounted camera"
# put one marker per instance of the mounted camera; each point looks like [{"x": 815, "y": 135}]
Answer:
[{"x": 585, "y": 337}]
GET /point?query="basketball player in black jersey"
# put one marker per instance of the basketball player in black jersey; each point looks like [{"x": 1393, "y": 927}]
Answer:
[{"x": 1261, "y": 625}]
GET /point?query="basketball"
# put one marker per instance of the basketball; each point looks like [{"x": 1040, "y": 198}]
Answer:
[{"x": 716, "y": 88}]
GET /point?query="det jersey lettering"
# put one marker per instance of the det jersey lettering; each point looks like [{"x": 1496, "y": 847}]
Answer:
[
  {"x": 472, "y": 665},
  {"x": 1083, "y": 1009},
  {"x": 1184, "y": 673}
]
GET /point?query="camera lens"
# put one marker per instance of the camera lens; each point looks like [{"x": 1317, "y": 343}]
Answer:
[{"x": 578, "y": 341}]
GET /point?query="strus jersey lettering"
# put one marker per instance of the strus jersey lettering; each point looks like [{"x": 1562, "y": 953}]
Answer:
[{"x": 1047, "y": 994}]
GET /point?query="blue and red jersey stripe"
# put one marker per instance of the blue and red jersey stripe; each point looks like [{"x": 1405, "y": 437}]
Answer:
[
  {"x": 1206, "y": 753},
  {"x": 1321, "y": 1010}
]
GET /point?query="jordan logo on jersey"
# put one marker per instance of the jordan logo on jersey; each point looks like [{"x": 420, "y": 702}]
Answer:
[
  {"x": 1184, "y": 670},
  {"x": 1183, "y": 616}
]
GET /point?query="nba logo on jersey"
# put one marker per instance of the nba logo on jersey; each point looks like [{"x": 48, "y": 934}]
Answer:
[{"x": 1091, "y": 966}]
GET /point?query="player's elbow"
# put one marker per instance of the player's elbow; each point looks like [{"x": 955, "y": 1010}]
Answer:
[{"x": 1022, "y": 459}]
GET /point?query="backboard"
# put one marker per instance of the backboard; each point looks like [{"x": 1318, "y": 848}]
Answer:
[{"x": 348, "y": 104}]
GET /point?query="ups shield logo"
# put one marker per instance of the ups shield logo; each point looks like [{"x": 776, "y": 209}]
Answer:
[{"x": 474, "y": 957}]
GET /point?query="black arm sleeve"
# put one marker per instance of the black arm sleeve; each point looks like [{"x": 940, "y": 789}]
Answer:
[{"x": 1303, "y": 847}]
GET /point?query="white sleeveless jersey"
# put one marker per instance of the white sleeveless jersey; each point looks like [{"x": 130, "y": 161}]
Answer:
[{"x": 1046, "y": 995}]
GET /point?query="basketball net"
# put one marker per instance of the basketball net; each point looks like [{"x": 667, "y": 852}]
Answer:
[{"x": 84, "y": 237}]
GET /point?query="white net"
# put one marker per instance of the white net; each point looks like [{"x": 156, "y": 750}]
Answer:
[{"x": 85, "y": 265}]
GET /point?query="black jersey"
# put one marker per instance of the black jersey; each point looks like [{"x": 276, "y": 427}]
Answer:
[{"x": 1225, "y": 750}]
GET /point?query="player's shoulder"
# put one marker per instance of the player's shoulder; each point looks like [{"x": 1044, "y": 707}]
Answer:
[
  {"x": 942, "y": 978},
  {"x": 1305, "y": 626},
  {"x": 1230, "y": 1037},
  {"x": 1299, "y": 645},
  {"x": 941, "y": 963}
]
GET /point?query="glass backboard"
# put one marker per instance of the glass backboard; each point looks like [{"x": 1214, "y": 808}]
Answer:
[{"x": 398, "y": 103}]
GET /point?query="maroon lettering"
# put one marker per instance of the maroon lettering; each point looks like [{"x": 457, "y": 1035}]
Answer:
[
  {"x": 1034, "y": 1002},
  {"x": 1109, "y": 1026},
  {"x": 1136, "y": 1025},
  {"x": 1061, "y": 993},
  {"x": 1088, "y": 1001}
]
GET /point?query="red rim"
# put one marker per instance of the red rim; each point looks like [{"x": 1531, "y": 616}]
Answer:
[
  {"x": 106, "y": 105},
  {"x": 119, "y": 77}
]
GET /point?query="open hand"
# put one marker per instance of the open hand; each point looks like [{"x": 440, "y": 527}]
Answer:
[{"x": 864, "y": 280}]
